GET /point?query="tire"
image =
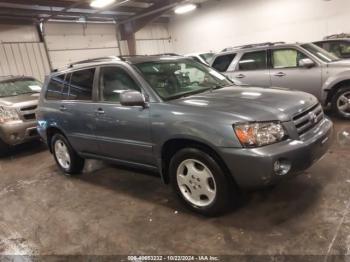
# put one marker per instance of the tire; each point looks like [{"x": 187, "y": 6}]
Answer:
[
  {"x": 341, "y": 106},
  {"x": 4, "y": 148},
  {"x": 209, "y": 196},
  {"x": 70, "y": 162}
]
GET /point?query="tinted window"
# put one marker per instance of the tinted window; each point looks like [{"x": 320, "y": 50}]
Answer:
[
  {"x": 172, "y": 79},
  {"x": 222, "y": 63},
  {"x": 81, "y": 85},
  {"x": 54, "y": 88},
  {"x": 285, "y": 58},
  {"x": 114, "y": 81},
  {"x": 253, "y": 61},
  {"x": 340, "y": 49}
]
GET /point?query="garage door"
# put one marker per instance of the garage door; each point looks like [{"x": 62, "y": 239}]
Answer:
[
  {"x": 26, "y": 58},
  {"x": 67, "y": 42}
]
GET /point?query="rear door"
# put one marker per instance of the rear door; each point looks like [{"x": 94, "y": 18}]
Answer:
[
  {"x": 252, "y": 69},
  {"x": 286, "y": 72},
  {"x": 79, "y": 109},
  {"x": 123, "y": 132}
]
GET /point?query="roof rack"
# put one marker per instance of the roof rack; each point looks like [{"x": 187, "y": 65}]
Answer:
[
  {"x": 337, "y": 36},
  {"x": 93, "y": 60},
  {"x": 252, "y": 45},
  {"x": 96, "y": 60}
]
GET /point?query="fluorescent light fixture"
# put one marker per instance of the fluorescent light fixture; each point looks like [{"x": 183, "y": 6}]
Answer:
[
  {"x": 101, "y": 3},
  {"x": 182, "y": 9}
]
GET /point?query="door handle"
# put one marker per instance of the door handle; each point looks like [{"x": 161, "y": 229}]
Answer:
[
  {"x": 240, "y": 76},
  {"x": 280, "y": 74},
  {"x": 100, "y": 111},
  {"x": 63, "y": 108}
]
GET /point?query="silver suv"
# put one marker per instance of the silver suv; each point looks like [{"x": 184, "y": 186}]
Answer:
[
  {"x": 18, "y": 102},
  {"x": 184, "y": 120},
  {"x": 304, "y": 67}
]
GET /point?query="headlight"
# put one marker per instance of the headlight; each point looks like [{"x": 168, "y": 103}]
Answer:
[
  {"x": 259, "y": 134},
  {"x": 8, "y": 114}
]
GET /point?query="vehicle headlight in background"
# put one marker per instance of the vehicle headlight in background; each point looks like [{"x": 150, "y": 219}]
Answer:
[
  {"x": 259, "y": 134},
  {"x": 8, "y": 114}
]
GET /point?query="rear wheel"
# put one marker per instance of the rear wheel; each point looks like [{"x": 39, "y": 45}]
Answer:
[
  {"x": 200, "y": 182},
  {"x": 66, "y": 157},
  {"x": 341, "y": 102}
]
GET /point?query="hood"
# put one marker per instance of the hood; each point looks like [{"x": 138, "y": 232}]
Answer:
[
  {"x": 252, "y": 103},
  {"x": 19, "y": 100},
  {"x": 341, "y": 63}
]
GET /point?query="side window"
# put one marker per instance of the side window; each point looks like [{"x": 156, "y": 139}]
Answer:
[
  {"x": 54, "y": 88},
  {"x": 286, "y": 58},
  {"x": 253, "y": 61},
  {"x": 223, "y": 62},
  {"x": 113, "y": 82},
  {"x": 81, "y": 85}
]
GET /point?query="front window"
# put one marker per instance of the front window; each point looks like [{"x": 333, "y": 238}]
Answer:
[
  {"x": 178, "y": 78},
  {"x": 18, "y": 87},
  {"x": 286, "y": 58},
  {"x": 322, "y": 54}
]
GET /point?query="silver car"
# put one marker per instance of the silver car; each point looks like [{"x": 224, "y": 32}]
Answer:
[
  {"x": 183, "y": 119},
  {"x": 304, "y": 67},
  {"x": 18, "y": 102}
]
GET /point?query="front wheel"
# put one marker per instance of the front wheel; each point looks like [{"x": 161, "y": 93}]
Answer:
[
  {"x": 66, "y": 157},
  {"x": 200, "y": 182},
  {"x": 341, "y": 102}
]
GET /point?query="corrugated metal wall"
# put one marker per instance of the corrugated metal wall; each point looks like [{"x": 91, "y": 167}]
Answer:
[
  {"x": 27, "y": 59},
  {"x": 21, "y": 52}
]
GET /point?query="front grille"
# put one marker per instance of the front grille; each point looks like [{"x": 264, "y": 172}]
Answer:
[
  {"x": 29, "y": 108},
  {"x": 28, "y": 112},
  {"x": 29, "y": 116},
  {"x": 308, "y": 119}
]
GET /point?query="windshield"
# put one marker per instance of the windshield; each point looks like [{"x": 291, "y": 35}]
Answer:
[
  {"x": 178, "y": 78},
  {"x": 207, "y": 57},
  {"x": 322, "y": 54},
  {"x": 19, "y": 87}
]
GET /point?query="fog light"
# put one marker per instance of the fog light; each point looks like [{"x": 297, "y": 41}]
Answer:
[{"x": 281, "y": 167}]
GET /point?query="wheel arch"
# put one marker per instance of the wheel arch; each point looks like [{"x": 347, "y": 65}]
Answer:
[
  {"x": 50, "y": 132},
  {"x": 171, "y": 146},
  {"x": 333, "y": 90}
]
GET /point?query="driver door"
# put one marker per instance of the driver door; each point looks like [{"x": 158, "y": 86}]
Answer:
[{"x": 286, "y": 72}]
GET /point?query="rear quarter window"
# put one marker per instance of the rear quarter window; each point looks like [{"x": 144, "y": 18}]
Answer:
[{"x": 222, "y": 63}]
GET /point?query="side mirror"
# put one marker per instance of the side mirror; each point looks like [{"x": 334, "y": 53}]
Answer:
[
  {"x": 306, "y": 62},
  {"x": 132, "y": 98}
]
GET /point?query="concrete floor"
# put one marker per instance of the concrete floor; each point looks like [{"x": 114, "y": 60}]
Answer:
[{"x": 109, "y": 210}]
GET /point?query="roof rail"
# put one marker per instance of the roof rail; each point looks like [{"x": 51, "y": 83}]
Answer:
[
  {"x": 87, "y": 61},
  {"x": 95, "y": 60},
  {"x": 252, "y": 45},
  {"x": 337, "y": 36}
]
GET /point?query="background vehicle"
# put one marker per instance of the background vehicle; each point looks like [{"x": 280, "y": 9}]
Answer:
[
  {"x": 18, "y": 103},
  {"x": 339, "y": 47},
  {"x": 204, "y": 58},
  {"x": 183, "y": 119},
  {"x": 304, "y": 67}
]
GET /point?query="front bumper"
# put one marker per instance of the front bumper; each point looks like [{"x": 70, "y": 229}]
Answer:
[
  {"x": 254, "y": 167},
  {"x": 18, "y": 132}
]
